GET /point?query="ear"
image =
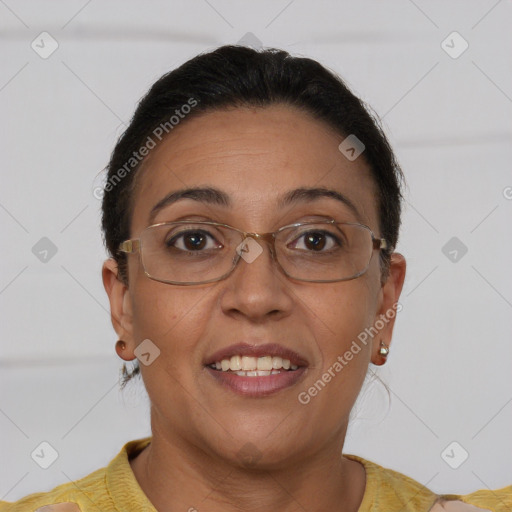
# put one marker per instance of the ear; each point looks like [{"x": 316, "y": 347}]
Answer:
[
  {"x": 388, "y": 308},
  {"x": 120, "y": 308}
]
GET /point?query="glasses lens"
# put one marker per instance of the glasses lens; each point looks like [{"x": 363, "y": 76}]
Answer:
[
  {"x": 188, "y": 252},
  {"x": 324, "y": 252},
  {"x": 201, "y": 252}
]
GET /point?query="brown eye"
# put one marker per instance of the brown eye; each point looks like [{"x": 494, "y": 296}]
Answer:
[
  {"x": 316, "y": 241},
  {"x": 195, "y": 240}
]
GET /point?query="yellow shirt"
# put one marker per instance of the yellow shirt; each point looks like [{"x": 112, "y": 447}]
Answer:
[{"x": 115, "y": 489}]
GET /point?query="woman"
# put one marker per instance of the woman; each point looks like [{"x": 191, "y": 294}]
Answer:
[{"x": 251, "y": 212}]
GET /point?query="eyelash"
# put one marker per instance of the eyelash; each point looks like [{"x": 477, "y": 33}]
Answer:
[{"x": 181, "y": 235}]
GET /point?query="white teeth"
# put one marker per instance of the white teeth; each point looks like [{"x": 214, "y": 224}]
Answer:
[
  {"x": 277, "y": 362},
  {"x": 235, "y": 363},
  {"x": 249, "y": 363},
  {"x": 264, "y": 363},
  {"x": 253, "y": 366},
  {"x": 256, "y": 373}
]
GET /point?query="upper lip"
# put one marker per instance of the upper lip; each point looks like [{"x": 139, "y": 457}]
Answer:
[{"x": 247, "y": 349}]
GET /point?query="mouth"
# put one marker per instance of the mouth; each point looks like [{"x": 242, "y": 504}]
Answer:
[{"x": 256, "y": 370}]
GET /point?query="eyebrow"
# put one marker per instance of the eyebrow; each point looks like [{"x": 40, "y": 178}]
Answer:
[{"x": 214, "y": 196}]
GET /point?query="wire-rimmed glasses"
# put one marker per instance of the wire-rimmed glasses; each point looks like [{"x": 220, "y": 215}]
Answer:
[{"x": 198, "y": 252}]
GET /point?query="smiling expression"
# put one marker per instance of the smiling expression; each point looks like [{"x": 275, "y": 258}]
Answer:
[{"x": 257, "y": 319}]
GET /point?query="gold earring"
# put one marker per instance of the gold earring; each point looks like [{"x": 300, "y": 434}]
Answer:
[
  {"x": 120, "y": 345},
  {"x": 384, "y": 349}
]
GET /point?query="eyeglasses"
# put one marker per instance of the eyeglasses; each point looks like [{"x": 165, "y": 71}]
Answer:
[{"x": 196, "y": 252}]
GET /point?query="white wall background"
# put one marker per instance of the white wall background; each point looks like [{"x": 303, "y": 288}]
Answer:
[{"x": 449, "y": 369}]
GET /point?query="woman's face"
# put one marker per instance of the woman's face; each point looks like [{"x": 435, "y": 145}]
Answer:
[{"x": 255, "y": 157}]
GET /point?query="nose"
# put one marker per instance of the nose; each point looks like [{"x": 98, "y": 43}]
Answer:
[{"x": 257, "y": 288}]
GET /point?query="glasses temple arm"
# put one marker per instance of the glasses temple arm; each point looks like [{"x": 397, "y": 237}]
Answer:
[
  {"x": 129, "y": 246},
  {"x": 381, "y": 243}
]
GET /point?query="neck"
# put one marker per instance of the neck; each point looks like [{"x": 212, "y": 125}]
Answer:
[{"x": 176, "y": 477}]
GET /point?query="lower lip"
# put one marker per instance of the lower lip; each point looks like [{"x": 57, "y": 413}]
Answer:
[{"x": 257, "y": 386}]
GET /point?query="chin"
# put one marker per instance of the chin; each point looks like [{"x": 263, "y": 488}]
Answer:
[{"x": 259, "y": 449}]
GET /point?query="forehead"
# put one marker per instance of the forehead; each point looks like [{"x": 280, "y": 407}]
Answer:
[{"x": 256, "y": 156}]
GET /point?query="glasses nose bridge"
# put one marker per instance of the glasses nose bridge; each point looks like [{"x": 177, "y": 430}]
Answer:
[{"x": 269, "y": 238}]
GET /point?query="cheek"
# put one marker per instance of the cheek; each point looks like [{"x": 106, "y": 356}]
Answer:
[
  {"x": 174, "y": 319},
  {"x": 341, "y": 313},
  {"x": 170, "y": 317},
  {"x": 338, "y": 315}
]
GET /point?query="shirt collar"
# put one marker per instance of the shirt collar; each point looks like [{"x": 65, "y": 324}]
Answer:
[{"x": 121, "y": 482}]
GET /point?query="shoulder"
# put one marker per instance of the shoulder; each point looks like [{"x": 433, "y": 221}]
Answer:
[
  {"x": 108, "y": 489},
  {"x": 87, "y": 493},
  {"x": 494, "y": 500},
  {"x": 387, "y": 489}
]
